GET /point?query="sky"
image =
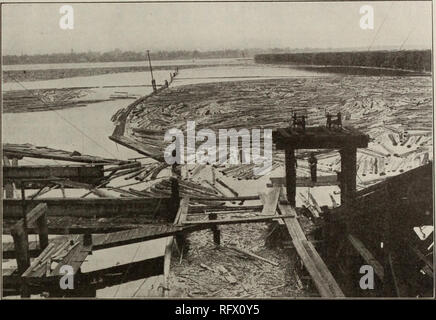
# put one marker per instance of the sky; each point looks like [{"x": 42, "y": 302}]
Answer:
[{"x": 34, "y": 28}]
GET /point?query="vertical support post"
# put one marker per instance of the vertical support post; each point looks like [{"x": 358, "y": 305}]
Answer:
[
  {"x": 42, "y": 227},
  {"x": 213, "y": 175},
  {"x": 14, "y": 185},
  {"x": 175, "y": 199},
  {"x": 9, "y": 187},
  {"x": 19, "y": 236},
  {"x": 215, "y": 229},
  {"x": 348, "y": 173},
  {"x": 348, "y": 187},
  {"x": 21, "y": 245},
  {"x": 291, "y": 176}
]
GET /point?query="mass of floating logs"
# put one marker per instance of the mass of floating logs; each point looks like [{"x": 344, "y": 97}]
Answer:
[
  {"x": 18, "y": 151},
  {"x": 383, "y": 114},
  {"x": 34, "y": 100}
]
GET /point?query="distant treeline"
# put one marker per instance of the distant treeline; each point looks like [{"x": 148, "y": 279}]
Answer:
[
  {"x": 417, "y": 60},
  {"x": 118, "y": 55}
]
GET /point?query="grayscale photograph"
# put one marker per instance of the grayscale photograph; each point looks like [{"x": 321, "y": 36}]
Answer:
[{"x": 211, "y": 150}]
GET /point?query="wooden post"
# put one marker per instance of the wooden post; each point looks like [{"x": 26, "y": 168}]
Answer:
[
  {"x": 41, "y": 224},
  {"x": 19, "y": 236},
  {"x": 9, "y": 187},
  {"x": 348, "y": 173},
  {"x": 291, "y": 176},
  {"x": 21, "y": 245},
  {"x": 36, "y": 217},
  {"x": 175, "y": 199},
  {"x": 348, "y": 187},
  {"x": 215, "y": 229}
]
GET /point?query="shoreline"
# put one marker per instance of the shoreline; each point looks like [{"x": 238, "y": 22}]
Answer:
[{"x": 53, "y": 74}]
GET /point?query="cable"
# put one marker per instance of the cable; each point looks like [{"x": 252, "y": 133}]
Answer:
[{"x": 379, "y": 28}]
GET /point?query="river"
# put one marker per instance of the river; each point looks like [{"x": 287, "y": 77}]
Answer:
[{"x": 86, "y": 129}]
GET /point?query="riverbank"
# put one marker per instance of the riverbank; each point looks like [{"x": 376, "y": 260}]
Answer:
[
  {"x": 362, "y": 71},
  {"x": 418, "y": 61},
  {"x": 61, "y": 73}
]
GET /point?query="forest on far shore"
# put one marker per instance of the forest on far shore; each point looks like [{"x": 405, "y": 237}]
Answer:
[
  {"x": 416, "y": 60},
  {"x": 118, "y": 55}
]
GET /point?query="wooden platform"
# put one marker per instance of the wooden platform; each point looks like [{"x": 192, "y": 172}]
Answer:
[{"x": 319, "y": 138}]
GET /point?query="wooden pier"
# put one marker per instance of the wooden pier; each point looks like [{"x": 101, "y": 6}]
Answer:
[{"x": 373, "y": 226}]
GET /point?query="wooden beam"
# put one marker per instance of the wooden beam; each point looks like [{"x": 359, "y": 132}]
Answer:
[
  {"x": 292, "y": 224},
  {"x": 139, "y": 147},
  {"x": 329, "y": 180},
  {"x": 367, "y": 256},
  {"x": 320, "y": 274},
  {"x": 218, "y": 198},
  {"x": 123, "y": 273},
  {"x": 198, "y": 225},
  {"x": 27, "y": 150},
  {"x": 348, "y": 173},
  {"x": 8, "y": 186},
  {"x": 84, "y": 207},
  {"x": 291, "y": 175},
  {"x": 81, "y": 173},
  {"x": 319, "y": 138},
  {"x": 114, "y": 239}
]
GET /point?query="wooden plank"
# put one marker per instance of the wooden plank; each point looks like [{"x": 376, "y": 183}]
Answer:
[
  {"x": 317, "y": 269},
  {"x": 109, "y": 240},
  {"x": 291, "y": 175},
  {"x": 328, "y": 180},
  {"x": 82, "y": 225},
  {"x": 218, "y": 198},
  {"x": 292, "y": 224},
  {"x": 137, "y": 146},
  {"x": 27, "y": 150},
  {"x": 89, "y": 207},
  {"x": 81, "y": 173},
  {"x": 114, "y": 239},
  {"x": 198, "y": 225},
  {"x": 323, "y": 279},
  {"x": 74, "y": 258},
  {"x": 124, "y": 273},
  {"x": 269, "y": 201},
  {"x": 367, "y": 256}
]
